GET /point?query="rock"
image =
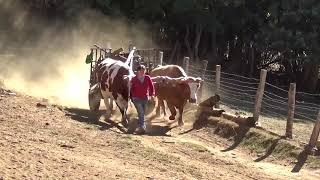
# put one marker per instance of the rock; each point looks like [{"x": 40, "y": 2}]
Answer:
[
  {"x": 12, "y": 94},
  {"x": 67, "y": 146},
  {"x": 41, "y": 105}
]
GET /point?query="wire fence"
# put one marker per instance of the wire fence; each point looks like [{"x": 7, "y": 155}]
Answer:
[{"x": 238, "y": 93}]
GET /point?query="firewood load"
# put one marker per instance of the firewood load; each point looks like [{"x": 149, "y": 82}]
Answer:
[
  {"x": 247, "y": 121},
  {"x": 207, "y": 106}
]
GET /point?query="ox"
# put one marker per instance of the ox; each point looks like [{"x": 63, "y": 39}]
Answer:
[
  {"x": 174, "y": 86},
  {"x": 113, "y": 84}
]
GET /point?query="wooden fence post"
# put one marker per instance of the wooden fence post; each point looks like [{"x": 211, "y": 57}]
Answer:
[
  {"x": 291, "y": 107},
  {"x": 315, "y": 134},
  {"x": 218, "y": 77},
  {"x": 186, "y": 64},
  {"x": 200, "y": 91},
  {"x": 160, "y": 58},
  {"x": 259, "y": 95}
]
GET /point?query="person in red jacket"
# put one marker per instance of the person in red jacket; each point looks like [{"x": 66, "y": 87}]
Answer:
[{"x": 142, "y": 90}]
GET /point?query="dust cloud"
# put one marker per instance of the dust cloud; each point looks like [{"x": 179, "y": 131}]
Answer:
[{"x": 46, "y": 58}]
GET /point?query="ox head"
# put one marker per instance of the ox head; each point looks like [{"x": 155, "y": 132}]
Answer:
[
  {"x": 194, "y": 84},
  {"x": 190, "y": 85},
  {"x": 94, "y": 97}
]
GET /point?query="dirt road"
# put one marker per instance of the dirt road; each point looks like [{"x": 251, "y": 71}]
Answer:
[{"x": 40, "y": 141}]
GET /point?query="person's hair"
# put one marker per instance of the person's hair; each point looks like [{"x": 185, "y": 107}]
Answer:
[{"x": 141, "y": 67}]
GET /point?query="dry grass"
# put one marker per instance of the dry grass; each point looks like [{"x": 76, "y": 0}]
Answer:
[{"x": 302, "y": 129}]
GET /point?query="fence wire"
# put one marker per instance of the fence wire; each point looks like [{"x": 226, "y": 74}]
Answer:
[{"x": 239, "y": 92}]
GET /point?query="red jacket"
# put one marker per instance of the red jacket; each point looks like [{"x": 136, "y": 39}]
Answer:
[{"x": 141, "y": 90}]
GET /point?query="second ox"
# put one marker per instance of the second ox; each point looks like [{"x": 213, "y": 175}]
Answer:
[
  {"x": 174, "y": 86},
  {"x": 113, "y": 84}
]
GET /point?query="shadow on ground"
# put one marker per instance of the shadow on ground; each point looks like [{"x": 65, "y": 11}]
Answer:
[
  {"x": 93, "y": 118},
  {"x": 238, "y": 138},
  {"x": 156, "y": 128},
  {"x": 270, "y": 149},
  {"x": 302, "y": 158}
]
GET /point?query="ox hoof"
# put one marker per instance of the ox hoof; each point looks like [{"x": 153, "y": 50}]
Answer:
[
  {"x": 180, "y": 123},
  {"x": 108, "y": 115},
  {"x": 172, "y": 117},
  {"x": 125, "y": 123}
]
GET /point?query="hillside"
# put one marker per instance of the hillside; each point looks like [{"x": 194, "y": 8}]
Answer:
[{"x": 43, "y": 141}]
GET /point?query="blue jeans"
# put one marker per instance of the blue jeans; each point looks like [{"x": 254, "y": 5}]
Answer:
[{"x": 140, "y": 105}]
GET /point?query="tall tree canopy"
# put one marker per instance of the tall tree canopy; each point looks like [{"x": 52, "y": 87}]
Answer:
[{"x": 242, "y": 35}]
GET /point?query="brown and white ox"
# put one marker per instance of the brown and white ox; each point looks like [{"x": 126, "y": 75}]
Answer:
[
  {"x": 174, "y": 86},
  {"x": 113, "y": 85}
]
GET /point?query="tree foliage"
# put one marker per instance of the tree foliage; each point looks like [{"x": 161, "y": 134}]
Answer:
[{"x": 242, "y": 35}]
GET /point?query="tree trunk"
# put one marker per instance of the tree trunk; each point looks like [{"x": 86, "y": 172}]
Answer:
[
  {"x": 187, "y": 43},
  {"x": 174, "y": 52},
  {"x": 214, "y": 47},
  {"x": 251, "y": 59},
  {"x": 178, "y": 55},
  {"x": 235, "y": 56},
  {"x": 310, "y": 74},
  {"x": 197, "y": 42}
]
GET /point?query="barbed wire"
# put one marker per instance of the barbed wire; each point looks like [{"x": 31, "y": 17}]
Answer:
[
  {"x": 208, "y": 79},
  {"x": 276, "y": 87},
  {"x": 236, "y": 99},
  {"x": 312, "y": 109},
  {"x": 195, "y": 68},
  {"x": 234, "y": 92},
  {"x": 271, "y": 112},
  {"x": 235, "y": 107},
  {"x": 210, "y": 75},
  {"x": 274, "y": 100},
  {"x": 209, "y": 83},
  {"x": 235, "y": 89},
  {"x": 239, "y": 81},
  {"x": 306, "y": 117},
  {"x": 309, "y": 94},
  {"x": 312, "y": 104},
  {"x": 193, "y": 71},
  {"x": 237, "y": 85},
  {"x": 211, "y": 71},
  {"x": 240, "y": 76},
  {"x": 273, "y": 106},
  {"x": 272, "y": 94}
]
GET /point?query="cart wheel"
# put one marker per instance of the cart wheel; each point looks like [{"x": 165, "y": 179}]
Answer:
[{"x": 94, "y": 98}]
